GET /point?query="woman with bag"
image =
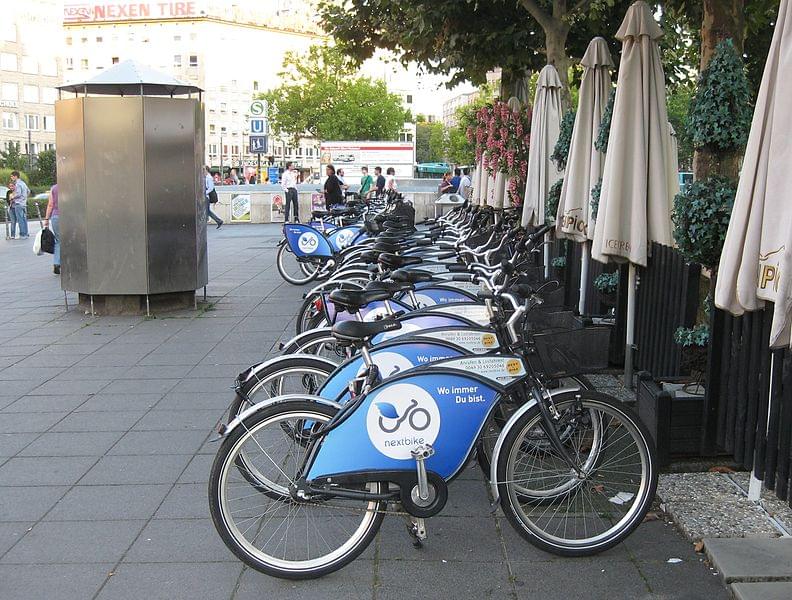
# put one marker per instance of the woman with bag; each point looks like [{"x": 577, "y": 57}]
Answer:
[
  {"x": 52, "y": 217},
  {"x": 211, "y": 198}
]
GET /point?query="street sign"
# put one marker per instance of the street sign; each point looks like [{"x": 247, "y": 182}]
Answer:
[
  {"x": 258, "y": 144},
  {"x": 258, "y": 108},
  {"x": 259, "y": 127}
]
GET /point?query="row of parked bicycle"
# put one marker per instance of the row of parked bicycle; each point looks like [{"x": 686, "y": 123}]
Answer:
[{"x": 414, "y": 355}]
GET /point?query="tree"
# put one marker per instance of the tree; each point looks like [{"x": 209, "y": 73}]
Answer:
[
  {"x": 678, "y": 101},
  {"x": 12, "y": 157},
  {"x": 323, "y": 95},
  {"x": 429, "y": 142},
  {"x": 45, "y": 168},
  {"x": 461, "y": 149},
  {"x": 466, "y": 38}
]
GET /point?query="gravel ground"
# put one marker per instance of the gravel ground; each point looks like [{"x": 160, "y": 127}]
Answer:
[{"x": 710, "y": 505}]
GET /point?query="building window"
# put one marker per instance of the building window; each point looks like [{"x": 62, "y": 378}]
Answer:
[
  {"x": 212, "y": 149},
  {"x": 49, "y": 146},
  {"x": 30, "y": 93},
  {"x": 255, "y": 86},
  {"x": 49, "y": 95},
  {"x": 177, "y": 60},
  {"x": 409, "y": 98},
  {"x": 31, "y": 148},
  {"x": 10, "y": 120},
  {"x": 29, "y": 65},
  {"x": 234, "y": 149},
  {"x": 222, "y": 130},
  {"x": 225, "y": 149},
  {"x": 114, "y": 60},
  {"x": 84, "y": 64},
  {"x": 299, "y": 151},
  {"x": 69, "y": 41},
  {"x": 32, "y": 122},
  {"x": 277, "y": 150},
  {"x": 99, "y": 39},
  {"x": 69, "y": 63},
  {"x": 193, "y": 60},
  {"x": 49, "y": 122},
  {"x": 8, "y": 61},
  {"x": 223, "y": 106},
  {"x": 84, "y": 40},
  {"x": 10, "y": 91},
  {"x": 177, "y": 38},
  {"x": 211, "y": 128}
]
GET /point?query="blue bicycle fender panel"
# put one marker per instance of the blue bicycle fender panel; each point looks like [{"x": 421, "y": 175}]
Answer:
[
  {"x": 306, "y": 241},
  {"x": 371, "y": 311},
  {"x": 342, "y": 237},
  {"x": 392, "y": 360},
  {"x": 432, "y": 296},
  {"x": 413, "y": 323},
  {"x": 442, "y": 409}
]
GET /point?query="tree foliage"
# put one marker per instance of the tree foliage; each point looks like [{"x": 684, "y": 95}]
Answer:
[
  {"x": 561, "y": 150},
  {"x": 601, "y": 143},
  {"x": 12, "y": 157},
  {"x": 45, "y": 171},
  {"x": 678, "y": 103},
  {"x": 323, "y": 95},
  {"x": 430, "y": 143},
  {"x": 720, "y": 112}
]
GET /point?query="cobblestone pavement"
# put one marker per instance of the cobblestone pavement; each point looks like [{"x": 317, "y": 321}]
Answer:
[{"x": 104, "y": 459}]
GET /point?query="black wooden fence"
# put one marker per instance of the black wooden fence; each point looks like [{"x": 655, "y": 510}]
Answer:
[
  {"x": 667, "y": 298},
  {"x": 748, "y": 404}
]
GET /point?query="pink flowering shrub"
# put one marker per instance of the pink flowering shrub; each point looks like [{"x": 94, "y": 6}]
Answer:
[{"x": 505, "y": 136}]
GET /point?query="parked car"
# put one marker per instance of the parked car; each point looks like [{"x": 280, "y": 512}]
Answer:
[{"x": 346, "y": 158}]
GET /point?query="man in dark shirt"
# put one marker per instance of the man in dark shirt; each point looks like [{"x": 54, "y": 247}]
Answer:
[
  {"x": 455, "y": 181},
  {"x": 332, "y": 188},
  {"x": 380, "y": 180}
]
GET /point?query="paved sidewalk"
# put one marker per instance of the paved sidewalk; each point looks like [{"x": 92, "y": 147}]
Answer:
[{"x": 104, "y": 458}]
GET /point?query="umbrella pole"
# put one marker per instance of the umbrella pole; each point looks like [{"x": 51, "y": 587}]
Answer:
[
  {"x": 754, "y": 483},
  {"x": 630, "y": 341},
  {"x": 585, "y": 256},
  {"x": 547, "y": 256}
]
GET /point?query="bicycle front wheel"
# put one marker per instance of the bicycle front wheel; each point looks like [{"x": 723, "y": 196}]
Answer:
[
  {"x": 292, "y": 270},
  {"x": 263, "y": 524},
  {"x": 573, "y": 514}
]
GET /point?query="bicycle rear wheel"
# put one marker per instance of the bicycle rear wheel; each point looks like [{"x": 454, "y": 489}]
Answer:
[
  {"x": 262, "y": 524},
  {"x": 571, "y": 515}
]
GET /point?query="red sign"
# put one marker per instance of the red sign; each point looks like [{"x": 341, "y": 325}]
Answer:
[{"x": 84, "y": 12}]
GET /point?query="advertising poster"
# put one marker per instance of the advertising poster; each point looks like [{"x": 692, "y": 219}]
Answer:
[
  {"x": 273, "y": 175},
  {"x": 277, "y": 208},
  {"x": 240, "y": 207},
  {"x": 317, "y": 201},
  {"x": 351, "y": 156}
]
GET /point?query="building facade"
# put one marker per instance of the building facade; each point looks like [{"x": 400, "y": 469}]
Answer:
[
  {"x": 28, "y": 79},
  {"x": 233, "y": 51}
]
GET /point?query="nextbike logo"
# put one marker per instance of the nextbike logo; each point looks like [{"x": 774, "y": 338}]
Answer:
[
  {"x": 401, "y": 417},
  {"x": 388, "y": 363},
  {"x": 344, "y": 238},
  {"x": 308, "y": 242}
]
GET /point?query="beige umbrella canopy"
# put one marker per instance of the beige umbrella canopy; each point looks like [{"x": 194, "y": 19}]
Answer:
[
  {"x": 757, "y": 254},
  {"x": 545, "y": 127},
  {"x": 637, "y": 183},
  {"x": 585, "y": 163},
  {"x": 639, "y": 179}
]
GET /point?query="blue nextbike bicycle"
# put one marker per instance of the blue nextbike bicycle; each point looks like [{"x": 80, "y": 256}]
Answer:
[{"x": 301, "y": 483}]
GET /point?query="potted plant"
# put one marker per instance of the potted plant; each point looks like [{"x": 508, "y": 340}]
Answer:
[
  {"x": 694, "y": 343},
  {"x": 606, "y": 285},
  {"x": 559, "y": 264}
]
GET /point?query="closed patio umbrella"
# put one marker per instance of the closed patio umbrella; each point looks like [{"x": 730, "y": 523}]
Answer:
[
  {"x": 757, "y": 254},
  {"x": 637, "y": 182},
  {"x": 585, "y": 162},
  {"x": 542, "y": 173}
]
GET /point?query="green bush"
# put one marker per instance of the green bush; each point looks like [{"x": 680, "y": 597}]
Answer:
[
  {"x": 720, "y": 112},
  {"x": 698, "y": 336},
  {"x": 559, "y": 262},
  {"x": 601, "y": 143},
  {"x": 607, "y": 283},
  {"x": 701, "y": 219},
  {"x": 561, "y": 151},
  {"x": 551, "y": 203},
  {"x": 5, "y": 176},
  {"x": 596, "y": 191}
]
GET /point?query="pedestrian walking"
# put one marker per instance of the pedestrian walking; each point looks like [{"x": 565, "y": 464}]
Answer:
[
  {"x": 380, "y": 181},
  {"x": 465, "y": 184},
  {"x": 332, "y": 188},
  {"x": 390, "y": 180},
  {"x": 19, "y": 206},
  {"x": 52, "y": 220},
  {"x": 289, "y": 186},
  {"x": 211, "y": 198},
  {"x": 234, "y": 177},
  {"x": 366, "y": 181}
]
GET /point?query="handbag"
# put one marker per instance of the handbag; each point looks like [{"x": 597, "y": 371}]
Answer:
[
  {"x": 213, "y": 197},
  {"x": 47, "y": 240}
]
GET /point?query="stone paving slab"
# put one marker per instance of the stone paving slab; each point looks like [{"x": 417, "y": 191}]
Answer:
[
  {"x": 762, "y": 591},
  {"x": 751, "y": 559},
  {"x": 105, "y": 452}
]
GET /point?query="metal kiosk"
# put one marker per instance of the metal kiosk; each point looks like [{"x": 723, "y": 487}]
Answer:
[{"x": 131, "y": 191}]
